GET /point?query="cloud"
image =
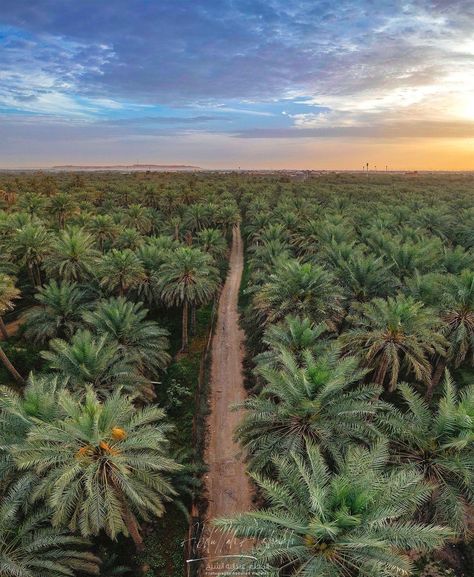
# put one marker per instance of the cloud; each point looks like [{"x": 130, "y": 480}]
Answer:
[
  {"x": 246, "y": 68},
  {"x": 188, "y": 51},
  {"x": 422, "y": 129},
  {"x": 152, "y": 121}
]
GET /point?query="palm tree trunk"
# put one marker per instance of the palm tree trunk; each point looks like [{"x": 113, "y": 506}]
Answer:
[
  {"x": 129, "y": 518},
  {"x": 184, "y": 336},
  {"x": 133, "y": 528},
  {"x": 31, "y": 275},
  {"x": 37, "y": 275},
  {"x": 435, "y": 379},
  {"x": 3, "y": 329},
  {"x": 381, "y": 372},
  {"x": 193, "y": 320},
  {"x": 10, "y": 368}
]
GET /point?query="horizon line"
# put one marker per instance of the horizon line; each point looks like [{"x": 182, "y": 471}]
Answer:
[{"x": 178, "y": 167}]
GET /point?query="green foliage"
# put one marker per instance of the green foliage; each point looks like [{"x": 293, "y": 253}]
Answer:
[
  {"x": 312, "y": 401},
  {"x": 441, "y": 446},
  {"x": 120, "y": 271},
  {"x": 187, "y": 276},
  {"x": 457, "y": 313},
  {"x": 87, "y": 359},
  {"x": 100, "y": 464},
  {"x": 30, "y": 547},
  {"x": 137, "y": 341},
  {"x": 58, "y": 313},
  {"x": 381, "y": 266},
  {"x": 395, "y": 334},
  {"x": 72, "y": 257},
  {"x": 299, "y": 289},
  {"x": 320, "y": 524}
]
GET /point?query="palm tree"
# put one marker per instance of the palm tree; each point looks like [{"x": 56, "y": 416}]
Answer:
[
  {"x": 36, "y": 402},
  {"x": 174, "y": 227},
  {"x": 293, "y": 335},
  {"x": 307, "y": 239},
  {"x": 138, "y": 217},
  {"x": 353, "y": 522},
  {"x": 164, "y": 243},
  {"x": 340, "y": 231},
  {"x": 103, "y": 229},
  {"x": 260, "y": 219},
  {"x": 129, "y": 238},
  {"x": 139, "y": 342},
  {"x": 152, "y": 256},
  {"x": 187, "y": 278},
  {"x": 271, "y": 233},
  {"x": 30, "y": 547},
  {"x": 10, "y": 223},
  {"x": 457, "y": 314},
  {"x": 264, "y": 258},
  {"x": 72, "y": 257},
  {"x": 197, "y": 217},
  {"x": 29, "y": 246},
  {"x": 334, "y": 254},
  {"x": 434, "y": 220},
  {"x": 210, "y": 240},
  {"x": 187, "y": 481},
  {"x": 101, "y": 466},
  {"x": 8, "y": 293},
  {"x": 61, "y": 206},
  {"x": 87, "y": 359},
  {"x": 426, "y": 288},
  {"x": 32, "y": 203},
  {"x": 314, "y": 402},
  {"x": 407, "y": 257},
  {"x": 440, "y": 445},
  {"x": 393, "y": 334},
  {"x": 19, "y": 411},
  {"x": 58, "y": 313},
  {"x": 365, "y": 277},
  {"x": 228, "y": 215},
  {"x": 121, "y": 270},
  {"x": 6, "y": 265},
  {"x": 299, "y": 289},
  {"x": 457, "y": 259}
]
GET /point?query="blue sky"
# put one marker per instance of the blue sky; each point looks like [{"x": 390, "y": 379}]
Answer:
[{"x": 273, "y": 83}]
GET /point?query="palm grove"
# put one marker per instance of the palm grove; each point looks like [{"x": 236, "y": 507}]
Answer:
[
  {"x": 93, "y": 269},
  {"x": 358, "y": 431},
  {"x": 359, "y": 310}
]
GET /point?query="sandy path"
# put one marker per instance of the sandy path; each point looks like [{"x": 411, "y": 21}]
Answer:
[{"x": 227, "y": 484}]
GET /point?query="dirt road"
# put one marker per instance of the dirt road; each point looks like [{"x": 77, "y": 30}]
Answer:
[{"x": 228, "y": 486}]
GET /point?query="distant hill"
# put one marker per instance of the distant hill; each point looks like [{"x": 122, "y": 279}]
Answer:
[{"x": 126, "y": 167}]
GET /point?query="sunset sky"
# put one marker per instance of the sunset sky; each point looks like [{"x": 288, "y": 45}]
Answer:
[{"x": 228, "y": 83}]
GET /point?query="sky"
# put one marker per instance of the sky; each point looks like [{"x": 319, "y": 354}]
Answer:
[{"x": 238, "y": 83}]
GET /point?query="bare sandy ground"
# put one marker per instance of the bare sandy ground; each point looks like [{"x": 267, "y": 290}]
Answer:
[{"x": 228, "y": 486}]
